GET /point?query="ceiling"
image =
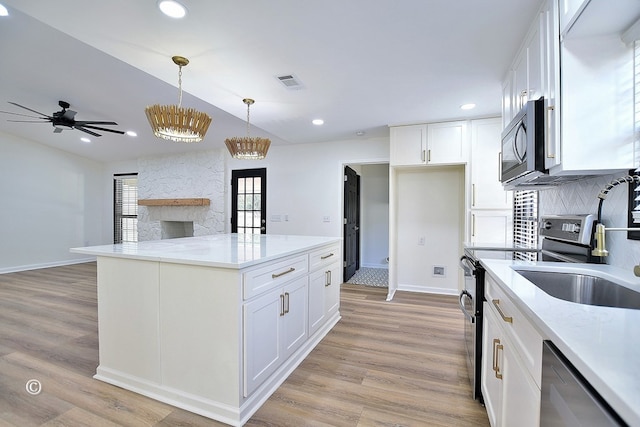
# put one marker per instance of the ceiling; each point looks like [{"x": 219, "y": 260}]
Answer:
[{"x": 362, "y": 64}]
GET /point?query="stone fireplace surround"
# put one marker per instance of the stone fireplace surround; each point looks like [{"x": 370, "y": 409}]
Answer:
[{"x": 185, "y": 175}]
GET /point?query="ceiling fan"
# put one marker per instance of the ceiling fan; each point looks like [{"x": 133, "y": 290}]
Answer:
[{"x": 63, "y": 119}]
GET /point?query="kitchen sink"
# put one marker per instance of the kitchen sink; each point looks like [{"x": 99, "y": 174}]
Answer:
[{"x": 583, "y": 289}]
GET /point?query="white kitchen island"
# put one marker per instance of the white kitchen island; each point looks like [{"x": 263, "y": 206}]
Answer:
[{"x": 213, "y": 324}]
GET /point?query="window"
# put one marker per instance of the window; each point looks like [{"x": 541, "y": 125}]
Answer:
[
  {"x": 525, "y": 223},
  {"x": 125, "y": 208},
  {"x": 249, "y": 201},
  {"x": 634, "y": 188}
]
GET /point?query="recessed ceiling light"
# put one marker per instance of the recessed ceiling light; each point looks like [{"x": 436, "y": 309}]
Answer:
[
  {"x": 360, "y": 133},
  {"x": 85, "y": 139},
  {"x": 318, "y": 122},
  {"x": 172, "y": 8},
  {"x": 3, "y": 11},
  {"x": 131, "y": 133},
  {"x": 467, "y": 106}
]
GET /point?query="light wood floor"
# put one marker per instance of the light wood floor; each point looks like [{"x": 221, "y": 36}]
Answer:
[{"x": 397, "y": 363}]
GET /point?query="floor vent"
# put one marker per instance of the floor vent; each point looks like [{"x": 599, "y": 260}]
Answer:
[{"x": 290, "y": 81}]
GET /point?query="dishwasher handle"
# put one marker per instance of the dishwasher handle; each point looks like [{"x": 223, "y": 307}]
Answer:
[{"x": 465, "y": 294}]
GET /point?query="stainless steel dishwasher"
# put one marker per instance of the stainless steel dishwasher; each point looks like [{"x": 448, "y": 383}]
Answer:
[{"x": 567, "y": 398}]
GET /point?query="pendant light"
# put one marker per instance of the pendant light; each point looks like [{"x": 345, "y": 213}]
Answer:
[
  {"x": 175, "y": 123},
  {"x": 247, "y": 147}
]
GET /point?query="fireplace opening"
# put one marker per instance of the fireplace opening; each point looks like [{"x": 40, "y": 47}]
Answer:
[{"x": 176, "y": 229}]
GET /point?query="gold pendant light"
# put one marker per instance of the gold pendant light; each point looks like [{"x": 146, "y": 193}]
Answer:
[
  {"x": 174, "y": 123},
  {"x": 248, "y": 148}
]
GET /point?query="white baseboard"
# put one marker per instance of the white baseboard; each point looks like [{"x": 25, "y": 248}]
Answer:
[
  {"x": 385, "y": 266},
  {"x": 28, "y": 267},
  {"x": 427, "y": 290}
]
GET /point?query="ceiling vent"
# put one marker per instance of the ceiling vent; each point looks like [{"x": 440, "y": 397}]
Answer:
[{"x": 290, "y": 81}]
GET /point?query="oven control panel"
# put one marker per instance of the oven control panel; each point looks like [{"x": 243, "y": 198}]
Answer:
[{"x": 570, "y": 228}]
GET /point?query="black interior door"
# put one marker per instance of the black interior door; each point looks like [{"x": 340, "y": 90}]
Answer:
[
  {"x": 249, "y": 201},
  {"x": 351, "y": 222}
]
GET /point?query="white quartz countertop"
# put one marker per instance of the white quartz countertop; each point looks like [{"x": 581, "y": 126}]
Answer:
[
  {"x": 603, "y": 343},
  {"x": 218, "y": 250}
]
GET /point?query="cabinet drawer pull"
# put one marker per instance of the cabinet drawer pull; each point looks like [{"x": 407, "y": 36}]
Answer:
[
  {"x": 281, "y": 305},
  {"x": 327, "y": 276},
  {"x": 494, "y": 359},
  {"x": 473, "y": 195},
  {"x": 275, "y": 276},
  {"x": 326, "y": 256},
  {"x": 423, "y": 155},
  {"x": 286, "y": 298},
  {"x": 496, "y": 303},
  {"x": 428, "y": 156},
  {"x": 499, "y": 347}
]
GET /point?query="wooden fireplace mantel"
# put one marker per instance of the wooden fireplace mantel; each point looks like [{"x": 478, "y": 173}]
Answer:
[{"x": 174, "y": 202}]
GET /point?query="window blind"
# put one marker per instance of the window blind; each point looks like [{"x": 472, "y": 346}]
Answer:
[
  {"x": 525, "y": 223},
  {"x": 125, "y": 208}
]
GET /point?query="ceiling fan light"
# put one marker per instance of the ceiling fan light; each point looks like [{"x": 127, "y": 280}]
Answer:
[{"x": 177, "y": 124}]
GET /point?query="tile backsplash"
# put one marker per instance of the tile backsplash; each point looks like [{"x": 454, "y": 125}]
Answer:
[{"x": 581, "y": 197}]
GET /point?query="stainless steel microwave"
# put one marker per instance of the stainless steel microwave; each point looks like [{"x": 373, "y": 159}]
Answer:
[{"x": 522, "y": 156}]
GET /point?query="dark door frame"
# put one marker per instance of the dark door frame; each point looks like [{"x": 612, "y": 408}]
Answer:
[
  {"x": 244, "y": 173},
  {"x": 351, "y": 221}
]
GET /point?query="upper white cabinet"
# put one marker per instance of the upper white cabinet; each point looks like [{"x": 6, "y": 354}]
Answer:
[
  {"x": 574, "y": 57},
  {"x": 486, "y": 189},
  {"x": 429, "y": 144}
]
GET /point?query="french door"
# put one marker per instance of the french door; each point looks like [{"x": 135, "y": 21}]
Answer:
[{"x": 249, "y": 201}]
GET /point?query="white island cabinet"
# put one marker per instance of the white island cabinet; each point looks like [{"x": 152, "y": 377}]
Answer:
[{"x": 213, "y": 324}]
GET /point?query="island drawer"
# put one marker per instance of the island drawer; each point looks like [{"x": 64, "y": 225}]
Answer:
[
  {"x": 266, "y": 277},
  {"x": 324, "y": 256}
]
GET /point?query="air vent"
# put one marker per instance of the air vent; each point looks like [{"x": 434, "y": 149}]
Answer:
[{"x": 290, "y": 81}]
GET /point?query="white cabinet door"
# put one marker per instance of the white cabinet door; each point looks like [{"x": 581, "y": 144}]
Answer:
[
  {"x": 520, "y": 81},
  {"x": 551, "y": 83},
  {"x": 294, "y": 321},
  {"x": 408, "y": 145},
  {"x": 317, "y": 311},
  {"x": 486, "y": 189},
  {"x": 508, "y": 109},
  {"x": 275, "y": 326},
  {"x": 332, "y": 289},
  {"x": 447, "y": 143},
  {"x": 492, "y": 352},
  {"x": 492, "y": 226},
  {"x": 520, "y": 395},
  {"x": 262, "y": 346}
]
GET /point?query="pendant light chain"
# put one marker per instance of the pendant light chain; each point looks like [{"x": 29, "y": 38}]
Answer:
[
  {"x": 179, "y": 86},
  {"x": 248, "y": 107}
]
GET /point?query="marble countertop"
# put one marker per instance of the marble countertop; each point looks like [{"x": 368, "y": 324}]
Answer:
[
  {"x": 218, "y": 250},
  {"x": 603, "y": 343}
]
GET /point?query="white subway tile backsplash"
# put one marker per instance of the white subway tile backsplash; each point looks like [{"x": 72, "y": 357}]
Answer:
[{"x": 581, "y": 197}]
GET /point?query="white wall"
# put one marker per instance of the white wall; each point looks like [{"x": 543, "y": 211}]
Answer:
[
  {"x": 430, "y": 205},
  {"x": 374, "y": 215},
  {"x": 51, "y": 201},
  {"x": 305, "y": 182}
]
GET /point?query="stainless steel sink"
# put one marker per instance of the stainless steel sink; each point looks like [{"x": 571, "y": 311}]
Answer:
[{"x": 583, "y": 289}]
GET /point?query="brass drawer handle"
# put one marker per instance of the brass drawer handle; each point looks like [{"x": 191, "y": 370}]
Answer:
[
  {"x": 326, "y": 256},
  {"x": 498, "y": 348},
  {"x": 275, "y": 276},
  {"x": 496, "y": 303}
]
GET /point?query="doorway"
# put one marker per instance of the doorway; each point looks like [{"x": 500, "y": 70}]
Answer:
[
  {"x": 249, "y": 201},
  {"x": 351, "y": 223},
  {"x": 371, "y": 251}
]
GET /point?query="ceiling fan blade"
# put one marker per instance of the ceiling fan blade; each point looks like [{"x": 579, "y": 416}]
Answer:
[
  {"x": 85, "y": 122},
  {"x": 24, "y": 115},
  {"x": 69, "y": 114},
  {"x": 26, "y": 121},
  {"x": 99, "y": 128},
  {"x": 80, "y": 128},
  {"x": 27, "y": 108}
]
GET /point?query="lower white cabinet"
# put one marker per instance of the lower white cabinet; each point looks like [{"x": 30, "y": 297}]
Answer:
[
  {"x": 511, "y": 363},
  {"x": 491, "y": 226},
  {"x": 324, "y": 295},
  {"x": 275, "y": 325}
]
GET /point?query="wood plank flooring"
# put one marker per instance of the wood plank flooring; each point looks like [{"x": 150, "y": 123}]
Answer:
[{"x": 398, "y": 363}]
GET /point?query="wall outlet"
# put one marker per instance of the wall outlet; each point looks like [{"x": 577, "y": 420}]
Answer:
[
  {"x": 439, "y": 271},
  {"x": 421, "y": 241},
  {"x": 326, "y": 218},
  {"x": 276, "y": 218}
]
